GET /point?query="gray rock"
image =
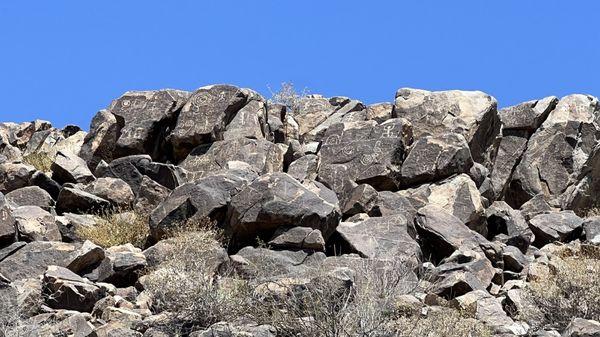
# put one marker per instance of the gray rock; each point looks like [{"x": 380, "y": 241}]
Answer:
[
  {"x": 121, "y": 267},
  {"x": 433, "y": 158},
  {"x": 298, "y": 238},
  {"x": 205, "y": 116},
  {"x": 304, "y": 168},
  {"x": 509, "y": 153},
  {"x": 441, "y": 233},
  {"x": 346, "y": 111},
  {"x": 275, "y": 200},
  {"x": 143, "y": 118},
  {"x": 30, "y": 196},
  {"x": 470, "y": 113},
  {"x": 43, "y": 181},
  {"x": 269, "y": 263},
  {"x": 263, "y": 156},
  {"x": 580, "y": 327},
  {"x": 390, "y": 237},
  {"x": 69, "y": 168},
  {"x": 35, "y": 224},
  {"x": 249, "y": 122},
  {"x": 150, "y": 195},
  {"x": 75, "y": 200},
  {"x": 527, "y": 116},
  {"x": 32, "y": 260},
  {"x": 462, "y": 272},
  {"x": 207, "y": 197},
  {"x": 311, "y": 112},
  {"x": 14, "y": 176},
  {"x": 132, "y": 170},
  {"x": 362, "y": 199},
  {"x": 591, "y": 228},
  {"x": 64, "y": 289},
  {"x": 99, "y": 143},
  {"x": 380, "y": 112},
  {"x": 69, "y": 225},
  {"x": 364, "y": 152},
  {"x": 275, "y": 116},
  {"x": 537, "y": 205},
  {"x": 114, "y": 190},
  {"x": 563, "y": 226},
  {"x": 86, "y": 257},
  {"x": 8, "y": 232},
  {"x": 556, "y": 154},
  {"x": 502, "y": 219},
  {"x": 514, "y": 259},
  {"x": 391, "y": 203}
]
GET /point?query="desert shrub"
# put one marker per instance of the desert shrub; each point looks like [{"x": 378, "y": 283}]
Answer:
[
  {"x": 40, "y": 160},
  {"x": 113, "y": 229},
  {"x": 12, "y": 322},
  {"x": 288, "y": 96},
  {"x": 186, "y": 283},
  {"x": 571, "y": 289},
  {"x": 446, "y": 322}
]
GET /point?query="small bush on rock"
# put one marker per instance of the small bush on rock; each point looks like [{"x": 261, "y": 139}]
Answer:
[
  {"x": 570, "y": 289},
  {"x": 115, "y": 229},
  {"x": 288, "y": 96}
]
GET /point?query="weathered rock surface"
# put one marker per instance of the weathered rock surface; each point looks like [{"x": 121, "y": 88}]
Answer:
[
  {"x": 64, "y": 289},
  {"x": 35, "y": 224},
  {"x": 69, "y": 168},
  {"x": 33, "y": 259},
  {"x": 563, "y": 227},
  {"x": 274, "y": 200},
  {"x": 30, "y": 196}
]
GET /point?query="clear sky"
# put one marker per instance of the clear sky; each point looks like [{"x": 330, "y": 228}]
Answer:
[{"x": 64, "y": 60}]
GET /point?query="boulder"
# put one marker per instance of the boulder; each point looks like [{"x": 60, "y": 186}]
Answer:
[
  {"x": 114, "y": 190},
  {"x": 563, "y": 226},
  {"x": 86, "y": 257},
  {"x": 30, "y": 196},
  {"x": 143, "y": 118},
  {"x": 502, "y": 219},
  {"x": 458, "y": 195},
  {"x": 362, "y": 199},
  {"x": 527, "y": 116},
  {"x": 251, "y": 262},
  {"x": 8, "y": 232},
  {"x": 391, "y": 203},
  {"x": 207, "y": 197},
  {"x": 14, "y": 176},
  {"x": 472, "y": 114},
  {"x": 364, "y": 152},
  {"x": 441, "y": 233},
  {"x": 32, "y": 259},
  {"x": 298, "y": 238},
  {"x": 432, "y": 158},
  {"x": 346, "y": 111},
  {"x": 310, "y": 112},
  {"x": 64, "y": 289},
  {"x": 69, "y": 225},
  {"x": 380, "y": 112},
  {"x": 304, "y": 168},
  {"x": 275, "y": 200},
  {"x": 74, "y": 200},
  {"x": 580, "y": 327},
  {"x": 99, "y": 143},
  {"x": 537, "y": 205},
  {"x": 35, "y": 224},
  {"x": 262, "y": 156},
  {"x": 43, "y": 181},
  {"x": 390, "y": 237},
  {"x": 275, "y": 116},
  {"x": 591, "y": 228},
  {"x": 132, "y": 170},
  {"x": 121, "y": 267},
  {"x": 249, "y": 122},
  {"x": 557, "y": 153},
  {"x": 69, "y": 168},
  {"x": 150, "y": 195},
  {"x": 463, "y": 271},
  {"x": 205, "y": 116}
]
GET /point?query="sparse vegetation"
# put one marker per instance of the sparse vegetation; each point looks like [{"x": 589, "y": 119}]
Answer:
[
  {"x": 288, "y": 96},
  {"x": 115, "y": 229},
  {"x": 40, "y": 160},
  {"x": 571, "y": 289}
]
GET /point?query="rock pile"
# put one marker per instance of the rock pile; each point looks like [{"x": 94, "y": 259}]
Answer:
[{"x": 444, "y": 182}]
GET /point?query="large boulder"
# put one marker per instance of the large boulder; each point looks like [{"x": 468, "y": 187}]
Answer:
[
  {"x": 276, "y": 199},
  {"x": 114, "y": 190},
  {"x": 262, "y": 156},
  {"x": 8, "y": 230},
  {"x": 72, "y": 199},
  {"x": 364, "y": 152},
  {"x": 433, "y": 158},
  {"x": 30, "y": 196},
  {"x": 99, "y": 143},
  {"x": 33, "y": 259},
  {"x": 64, "y": 289},
  {"x": 463, "y": 271},
  {"x": 312, "y": 111},
  {"x": 69, "y": 168},
  {"x": 35, "y": 224},
  {"x": 557, "y": 152},
  {"x": 390, "y": 237},
  {"x": 206, "y": 197},
  {"x": 249, "y": 122},
  {"x": 253, "y": 262},
  {"x": 144, "y": 118},
  {"x": 14, "y": 176},
  {"x": 205, "y": 116},
  {"x": 562, "y": 226},
  {"x": 470, "y": 113},
  {"x": 508, "y": 225}
]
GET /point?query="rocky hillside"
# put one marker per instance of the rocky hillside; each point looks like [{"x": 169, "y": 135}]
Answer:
[{"x": 220, "y": 213}]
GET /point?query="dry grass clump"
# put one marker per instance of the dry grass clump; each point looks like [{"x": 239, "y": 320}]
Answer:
[
  {"x": 113, "y": 229},
  {"x": 40, "y": 160},
  {"x": 446, "y": 322},
  {"x": 12, "y": 322},
  {"x": 288, "y": 96},
  {"x": 571, "y": 289},
  {"x": 186, "y": 283}
]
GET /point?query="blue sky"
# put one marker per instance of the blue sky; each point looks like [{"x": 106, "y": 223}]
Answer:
[{"x": 64, "y": 60}]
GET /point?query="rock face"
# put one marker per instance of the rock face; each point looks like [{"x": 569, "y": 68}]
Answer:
[
  {"x": 396, "y": 211},
  {"x": 275, "y": 200}
]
